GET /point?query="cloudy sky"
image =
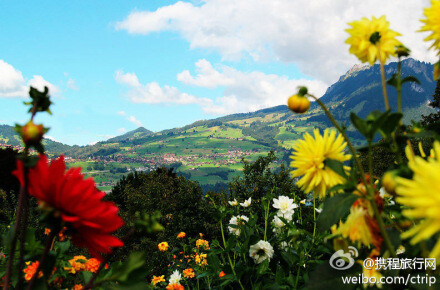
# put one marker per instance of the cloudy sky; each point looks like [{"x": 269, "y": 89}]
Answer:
[{"x": 112, "y": 66}]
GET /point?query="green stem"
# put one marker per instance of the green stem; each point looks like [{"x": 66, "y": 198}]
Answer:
[
  {"x": 362, "y": 172},
  {"x": 382, "y": 228},
  {"x": 399, "y": 86},
  {"x": 229, "y": 257},
  {"x": 370, "y": 163},
  {"x": 266, "y": 216},
  {"x": 314, "y": 218},
  {"x": 384, "y": 84},
  {"x": 297, "y": 275}
]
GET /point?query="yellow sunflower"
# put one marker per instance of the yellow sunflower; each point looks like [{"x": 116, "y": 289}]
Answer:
[
  {"x": 421, "y": 195},
  {"x": 308, "y": 160},
  {"x": 371, "y": 38},
  {"x": 432, "y": 23}
]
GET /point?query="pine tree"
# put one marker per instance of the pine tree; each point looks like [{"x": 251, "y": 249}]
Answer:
[{"x": 432, "y": 121}]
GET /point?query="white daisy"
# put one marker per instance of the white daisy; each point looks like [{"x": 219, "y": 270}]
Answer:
[
  {"x": 175, "y": 277},
  {"x": 284, "y": 204},
  {"x": 233, "y": 203},
  {"x": 237, "y": 220},
  {"x": 261, "y": 251},
  {"x": 246, "y": 203}
]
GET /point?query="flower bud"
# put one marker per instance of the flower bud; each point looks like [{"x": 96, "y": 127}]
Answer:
[
  {"x": 298, "y": 104},
  {"x": 31, "y": 133},
  {"x": 402, "y": 51},
  {"x": 302, "y": 91},
  {"x": 389, "y": 181}
]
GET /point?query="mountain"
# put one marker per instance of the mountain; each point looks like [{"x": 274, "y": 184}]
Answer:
[
  {"x": 9, "y": 137},
  {"x": 210, "y": 151},
  {"x": 132, "y": 134}
]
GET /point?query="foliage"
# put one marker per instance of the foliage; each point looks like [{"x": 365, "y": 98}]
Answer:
[{"x": 180, "y": 202}]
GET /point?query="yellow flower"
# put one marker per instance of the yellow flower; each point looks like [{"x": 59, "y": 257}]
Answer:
[
  {"x": 421, "y": 195},
  {"x": 163, "y": 246},
  {"x": 181, "y": 235},
  {"x": 370, "y": 274},
  {"x": 432, "y": 23},
  {"x": 78, "y": 287},
  {"x": 202, "y": 243},
  {"x": 355, "y": 227},
  {"x": 201, "y": 259},
  {"x": 371, "y": 38},
  {"x": 157, "y": 279},
  {"x": 189, "y": 273},
  {"x": 77, "y": 264},
  {"x": 308, "y": 160}
]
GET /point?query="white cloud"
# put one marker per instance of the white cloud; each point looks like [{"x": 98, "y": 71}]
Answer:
[
  {"x": 152, "y": 93},
  {"x": 72, "y": 84},
  {"x": 242, "y": 91},
  {"x": 246, "y": 91},
  {"x": 129, "y": 79},
  {"x": 134, "y": 121},
  {"x": 121, "y": 130},
  {"x": 39, "y": 83},
  {"x": 308, "y": 33},
  {"x": 50, "y": 138},
  {"x": 13, "y": 84},
  {"x": 129, "y": 118}
]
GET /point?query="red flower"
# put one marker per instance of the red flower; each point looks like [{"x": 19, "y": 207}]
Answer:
[{"x": 79, "y": 203}]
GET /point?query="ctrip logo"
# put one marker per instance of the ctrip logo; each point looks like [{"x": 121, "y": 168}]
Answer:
[{"x": 341, "y": 260}]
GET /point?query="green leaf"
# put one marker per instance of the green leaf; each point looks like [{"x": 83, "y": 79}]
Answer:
[
  {"x": 135, "y": 261},
  {"x": 325, "y": 277},
  {"x": 410, "y": 79},
  {"x": 262, "y": 268},
  {"x": 63, "y": 246},
  {"x": 335, "y": 208},
  {"x": 378, "y": 121},
  {"x": 336, "y": 166},
  {"x": 360, "y": 124},
  {"x": 392, "y": 81},
  {"x": 391, "y": 123},
  {"x": 86, "y": 275}
]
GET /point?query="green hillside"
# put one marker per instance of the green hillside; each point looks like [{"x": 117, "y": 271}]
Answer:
[{"x": 210, "y": 151}]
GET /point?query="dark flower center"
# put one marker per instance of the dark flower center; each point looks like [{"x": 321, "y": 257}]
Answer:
[{"x": 375, "y": 37}]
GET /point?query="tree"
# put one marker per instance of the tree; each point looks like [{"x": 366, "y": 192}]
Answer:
[
  {"x": 432, "y": 121},
  {"x": 9, "y": 185},
  {"x": 179, "y": 200}
]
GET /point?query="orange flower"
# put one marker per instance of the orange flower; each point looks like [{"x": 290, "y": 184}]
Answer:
[
  {"x": 78, "y": 287},
  {"x": 92, "y": 265},
  {"x": 202, "y": 243},
  {"x": 163, "y": 246},
  {"x": 76, "y": 201},
  {"x": 175, "y": 286},
  {"x": 77, "y": 264},
  {"x": 201, "y": 235},
  {"x": 31, "y": 269},
  {"x": 157, "y": 279},
  {"x": 47, "y": 231},
  {"x": 181, "y": 235},
  {"x": 61, "y": 235},
  {"x": 222, "y": 274},
  {"x": 189, "y": 273}
]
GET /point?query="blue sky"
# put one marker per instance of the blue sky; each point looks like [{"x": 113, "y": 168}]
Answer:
[{"x": 113, "y": 66}]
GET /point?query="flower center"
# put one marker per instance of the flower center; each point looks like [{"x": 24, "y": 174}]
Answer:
[{"x": 375, "y": 37}]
